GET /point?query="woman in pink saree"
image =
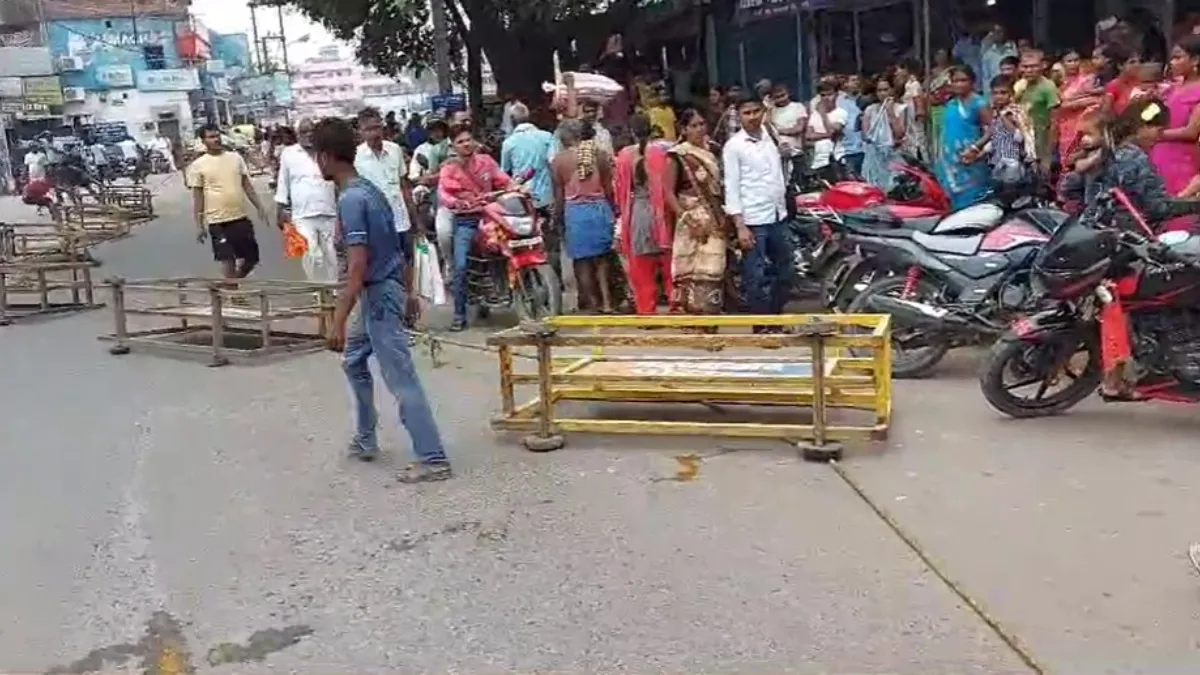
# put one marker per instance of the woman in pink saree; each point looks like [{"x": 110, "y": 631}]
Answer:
[
  {"x": 1176, "y": 155},
  {"x": 643, "y": 227}
]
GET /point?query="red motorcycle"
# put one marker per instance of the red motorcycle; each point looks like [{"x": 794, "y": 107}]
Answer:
[
  {"x": 507, "y": 265},
  {"x": 1124, "y": 317},
  {"x": 917, "y": 201}
]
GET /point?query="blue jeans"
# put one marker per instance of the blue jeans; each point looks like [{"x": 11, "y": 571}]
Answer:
[
  {"x": 767, "y": 269},
  {"x": 376, "y": 328},
  {"x": 465, "y": 229}
]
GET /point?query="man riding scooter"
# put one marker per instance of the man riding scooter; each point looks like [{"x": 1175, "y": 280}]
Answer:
[{"x": 464, "y": 183}]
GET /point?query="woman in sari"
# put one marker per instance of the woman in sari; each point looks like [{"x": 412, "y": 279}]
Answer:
[
  {"x": 913, "y": 98},
  {"x": 938, "y": 87},
  {"x": 1080, "y": 96},
  {"x": 967, "y": 115},
  {"x": 1175, "y": 156},
  {"x": 883, "y": 132},
  {"x": 698, "y": 253},
  {"x": 643, "y": 228}
]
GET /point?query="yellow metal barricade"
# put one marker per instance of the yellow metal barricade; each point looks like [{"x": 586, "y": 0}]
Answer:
[{"x": 708, "y": 360}]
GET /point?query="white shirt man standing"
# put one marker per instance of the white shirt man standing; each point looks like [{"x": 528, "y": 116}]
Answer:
[
  {"x": 381, "y": 162},
  {"x": 789, "y": 119},
  {"x": 754, "y": 197},
  {"x": 162, "y": 144},
  {"x": 35, "y": 165},
  {"x": 129, "y": 148},
  {"x": 309, "y": 202}
]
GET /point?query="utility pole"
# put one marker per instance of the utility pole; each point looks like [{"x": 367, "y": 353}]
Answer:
[
  {"x": 258, "y": 45},
  {"x": 441, "y": 44}
]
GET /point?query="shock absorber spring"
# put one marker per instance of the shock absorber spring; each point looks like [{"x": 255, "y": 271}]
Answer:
[{"x": 911, "y": 278}]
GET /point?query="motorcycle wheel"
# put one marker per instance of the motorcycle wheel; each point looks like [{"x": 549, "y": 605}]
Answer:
[
  {"x": 1026, "y": 359},
  {"x": 906, "y": 364},
  {"x": 538, "y": 293}
]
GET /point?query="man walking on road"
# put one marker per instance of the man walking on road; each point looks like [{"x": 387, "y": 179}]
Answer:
[
  {"x": 307, "y": 200},
  {"x": 221, "y": 186},
  {"x": 375, "y": 265}
]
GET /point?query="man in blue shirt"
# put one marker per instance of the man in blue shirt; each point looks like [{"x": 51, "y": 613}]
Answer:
[
  {"x": 527, "y": 149},
  {"x": 852, "y": 139},
  {"x": 375, "y": 264}
]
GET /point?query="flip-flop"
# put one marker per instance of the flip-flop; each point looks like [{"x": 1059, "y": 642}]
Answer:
[{"x": 1194, "y": 556}]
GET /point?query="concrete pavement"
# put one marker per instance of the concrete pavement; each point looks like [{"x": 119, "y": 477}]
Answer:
[{"x": 162, "y": 517}]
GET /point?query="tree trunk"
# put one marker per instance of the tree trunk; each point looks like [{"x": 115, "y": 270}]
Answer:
[
  {"x": 474, "y": 78},
  {"x": 521, "y": 61}
]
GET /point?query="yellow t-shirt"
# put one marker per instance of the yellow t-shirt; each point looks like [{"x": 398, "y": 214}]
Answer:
[
  {"x": 220, "y": 177},
  {"x": 663, "y": 117}
]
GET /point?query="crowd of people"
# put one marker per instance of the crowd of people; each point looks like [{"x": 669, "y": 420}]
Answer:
[{"x": 689, "y": 203}]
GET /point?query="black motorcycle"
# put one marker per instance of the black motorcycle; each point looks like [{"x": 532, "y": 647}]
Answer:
[
  {"x": 856, "y": 268},
  {"x": 1120, "y": 295},
  {"x": 955, "y": 289}
]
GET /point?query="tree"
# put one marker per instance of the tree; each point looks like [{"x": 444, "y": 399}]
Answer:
[{"x": 518, "y": 37}]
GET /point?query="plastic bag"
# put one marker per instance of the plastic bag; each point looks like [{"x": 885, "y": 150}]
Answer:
[
  {"x": 294, "y": 244},
  {"x": 428, "y": 273}
]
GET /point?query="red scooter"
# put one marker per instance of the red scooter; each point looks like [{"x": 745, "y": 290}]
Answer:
[{"x": 507, "y": 265}]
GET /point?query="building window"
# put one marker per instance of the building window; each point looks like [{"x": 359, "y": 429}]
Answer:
[{"x": 155, "y": 57}]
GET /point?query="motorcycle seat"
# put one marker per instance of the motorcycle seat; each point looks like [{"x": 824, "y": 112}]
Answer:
[
  {"x": 884, "y": 223},
  {"x": 953, "y": 244}
]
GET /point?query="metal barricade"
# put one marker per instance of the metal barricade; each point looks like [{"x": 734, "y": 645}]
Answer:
[
  {"x": 244, "y": 322},
  {"x": 801, "y": 361}
]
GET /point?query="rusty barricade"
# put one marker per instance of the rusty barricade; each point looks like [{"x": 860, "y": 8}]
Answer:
[
  {"x": 801, "y": 362},
  {"x": 247, "y": 322}
]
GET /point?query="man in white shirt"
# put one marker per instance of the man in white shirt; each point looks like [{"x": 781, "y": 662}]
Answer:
[
  {"x": 35, "y": 165},
  {"x": 382, "y": 163},
  {"x": 825, "y": 125},
  {"x": 789, "y": 121},
  {"x": 163, "y": 144},
  {"x": 309, "y": 202},
  {"x": 129, "y": 148},
  {"x": 754, "y": 197}
]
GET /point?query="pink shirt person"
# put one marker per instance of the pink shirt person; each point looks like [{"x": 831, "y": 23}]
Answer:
[{"x": 463, "y": 184}]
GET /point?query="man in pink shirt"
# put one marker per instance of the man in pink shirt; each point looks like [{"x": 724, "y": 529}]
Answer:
[{"x": 464, "y": 183}]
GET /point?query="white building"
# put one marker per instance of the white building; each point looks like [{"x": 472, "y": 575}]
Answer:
[{"x": 332, "y": 84}]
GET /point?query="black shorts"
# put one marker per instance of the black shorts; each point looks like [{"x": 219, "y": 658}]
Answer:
[{"x": 233, "y": 240}]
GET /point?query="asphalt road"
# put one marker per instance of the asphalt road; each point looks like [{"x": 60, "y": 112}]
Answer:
[{"x": 161, "y": 517}]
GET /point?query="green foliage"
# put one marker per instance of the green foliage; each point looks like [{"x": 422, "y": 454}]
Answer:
[
  {"x": 394, "y": 35},
  {"x": 390, "y": 36}
]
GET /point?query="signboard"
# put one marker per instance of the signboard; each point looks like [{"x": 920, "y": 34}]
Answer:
[
  {"x": 47, "y": 90},
  {"x": 11, "y": 87},
  {"x": 107, "y": 132},
  {"x": 115, "y": 76},
  {"x": 99, "y": 9},
  {"x": 22, "y": 107},
  {"x": 758, "y": 10},
  {"x": 444, "y": 104},
  {"x": 216, "y": 67},
  {"x": 171, "y": 79},
  {"x": 17, "y": 36}
]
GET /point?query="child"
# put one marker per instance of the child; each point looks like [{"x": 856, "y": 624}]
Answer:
[
  {"x": 1009, "y": 66},
  {"x": 1150, "y": 83},
  {"x": 1009, "y": 139}
]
